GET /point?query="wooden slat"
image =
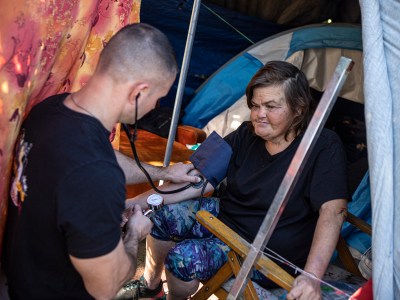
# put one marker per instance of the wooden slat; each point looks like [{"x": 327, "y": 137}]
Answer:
[
  {"x": 249, "y": 292},
  {"x": 241, "y": 247},
  {"x": 347, "y": 259},
  {"x": 221, "y": 294},
  {"x": 214, "y": 284},
  {"x": 359, "y": 223}
]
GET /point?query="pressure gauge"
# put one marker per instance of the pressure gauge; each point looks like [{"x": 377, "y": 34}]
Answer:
[{"x": 155, "y": 202}]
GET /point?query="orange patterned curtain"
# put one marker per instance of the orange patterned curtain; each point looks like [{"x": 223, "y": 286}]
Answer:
[{"x": 48, "y": 47}]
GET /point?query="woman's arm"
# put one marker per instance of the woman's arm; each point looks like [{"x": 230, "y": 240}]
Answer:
[
  {"x": 189, "y": 193},
  {"x": 331, "y": 217}
]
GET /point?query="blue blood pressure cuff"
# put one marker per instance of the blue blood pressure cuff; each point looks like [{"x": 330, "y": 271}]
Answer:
[{"x": 212, "y": 158}]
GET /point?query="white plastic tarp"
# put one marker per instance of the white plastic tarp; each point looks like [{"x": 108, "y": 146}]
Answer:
[{"x": 381, "y": 35}]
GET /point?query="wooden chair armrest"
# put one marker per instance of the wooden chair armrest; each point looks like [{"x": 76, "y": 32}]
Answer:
[
  {"x": 189, "y": 135},
  {"x": 346, "y": 258},
  {"x": 266, "y": 266},
  {"x": 359, "y": 223},
  {"x": 344, "y": 253}
]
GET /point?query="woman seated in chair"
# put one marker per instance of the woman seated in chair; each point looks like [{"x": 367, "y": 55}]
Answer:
[{"x": 281, "y": 106}]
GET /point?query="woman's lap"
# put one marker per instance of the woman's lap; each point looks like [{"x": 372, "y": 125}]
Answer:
[
  {"x": 178, "y": 221},
  {"x": 197, "y": 254},
  {"x": 196, "y": 258}
]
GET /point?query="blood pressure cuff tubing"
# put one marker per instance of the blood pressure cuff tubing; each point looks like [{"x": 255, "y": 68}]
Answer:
[{"x": 212, "y": 158}]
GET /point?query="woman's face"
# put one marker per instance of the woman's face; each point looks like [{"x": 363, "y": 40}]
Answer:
[{"x": 270, "y": 115}]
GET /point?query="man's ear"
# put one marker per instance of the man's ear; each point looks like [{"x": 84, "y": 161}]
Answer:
[{"x": 136, "y": 90}]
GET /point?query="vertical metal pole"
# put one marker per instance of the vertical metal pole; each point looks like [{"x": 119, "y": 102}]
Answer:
[
  {"x": 182, "y": 81},
  {"x": 295, "y": 168}
]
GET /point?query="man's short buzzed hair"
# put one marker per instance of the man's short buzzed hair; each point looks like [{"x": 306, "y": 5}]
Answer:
[{"x": 138, "y": 51}]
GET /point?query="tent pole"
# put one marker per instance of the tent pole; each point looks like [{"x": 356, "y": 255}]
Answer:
[
  {"x": 182, "y": 81},
  {"x": 292, "y": 174}
]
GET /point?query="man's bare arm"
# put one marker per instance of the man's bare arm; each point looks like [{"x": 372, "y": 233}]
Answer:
[
  {"x": 176, "y": 173},
  {"x": 103, "y": 276}
]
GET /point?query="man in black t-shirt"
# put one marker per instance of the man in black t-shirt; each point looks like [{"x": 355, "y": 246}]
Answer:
[{"x": 63, "y": 237}]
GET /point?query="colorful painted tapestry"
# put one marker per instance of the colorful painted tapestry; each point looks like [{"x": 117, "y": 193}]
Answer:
[{"x": 48, "y": 47}]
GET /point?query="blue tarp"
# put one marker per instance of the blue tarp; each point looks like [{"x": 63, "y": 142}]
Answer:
[
  {"x": 360, "y": 206},
  {"x": 215, "y": 42}
]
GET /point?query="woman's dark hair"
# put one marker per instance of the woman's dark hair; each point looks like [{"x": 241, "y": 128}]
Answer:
[{"x": 296, "y": 90}]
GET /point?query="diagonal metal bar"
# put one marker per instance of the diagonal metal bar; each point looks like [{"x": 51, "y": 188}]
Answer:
[
  {"x": 182, "y": 81},
  {"x": 292, "y": 174}
]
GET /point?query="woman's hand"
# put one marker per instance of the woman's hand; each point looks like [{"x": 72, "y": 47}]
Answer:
[
  {"x": 331, "y": 217},
  {"x": 305, "y": 288}
]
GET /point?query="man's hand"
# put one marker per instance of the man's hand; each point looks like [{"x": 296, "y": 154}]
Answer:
[
  {"x": 128, "y": 212},
  {"x": 138, "y": 225},
  {"x": 305, "y": 288},
  {"x": 178, "y": 173}
]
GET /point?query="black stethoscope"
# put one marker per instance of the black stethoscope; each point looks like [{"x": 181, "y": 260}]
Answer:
[
  {"x": 203, "y": 183},
  {"x": 132, "y": 138}
]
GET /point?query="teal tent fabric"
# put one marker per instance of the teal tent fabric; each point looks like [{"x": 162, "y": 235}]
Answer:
[
  {"x": 228, "y": 85},
  {"x": 326, "y": 37}
]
